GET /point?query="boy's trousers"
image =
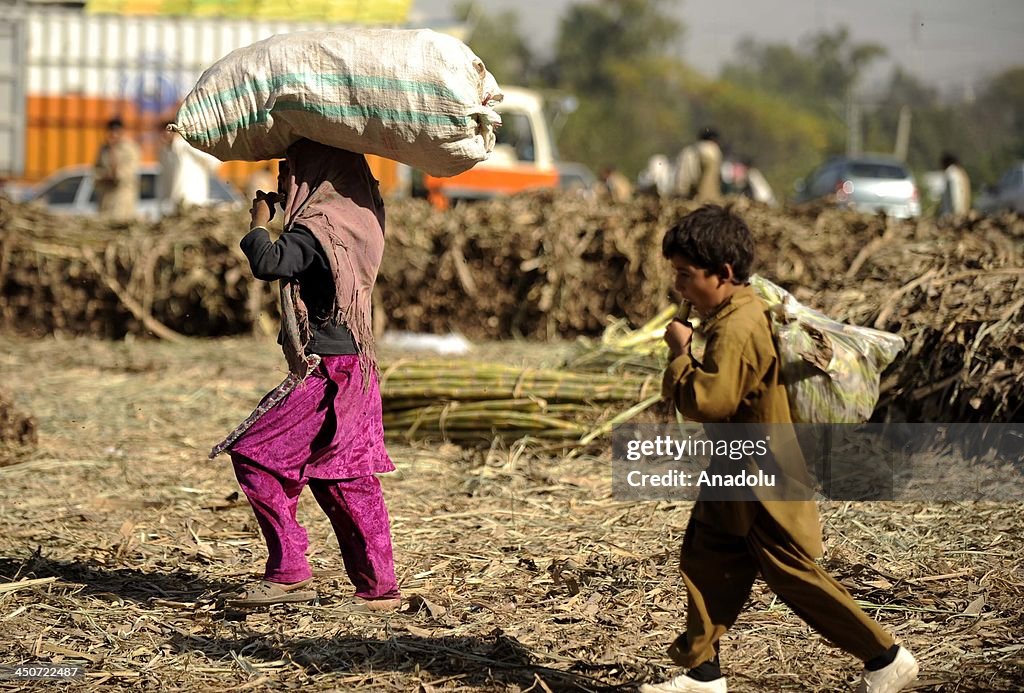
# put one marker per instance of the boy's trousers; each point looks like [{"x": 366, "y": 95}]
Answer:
[{"x": 719, "y": 571}]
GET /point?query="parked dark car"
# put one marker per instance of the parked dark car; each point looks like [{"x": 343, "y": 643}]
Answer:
[
  {"x": 1007, "y": 194},
  {"x": 868, "y": 184}
]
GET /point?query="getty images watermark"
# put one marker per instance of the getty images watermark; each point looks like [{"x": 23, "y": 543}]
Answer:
[
  {"x": 664, "y": 448},
  {"x": 736, "y": 462}
]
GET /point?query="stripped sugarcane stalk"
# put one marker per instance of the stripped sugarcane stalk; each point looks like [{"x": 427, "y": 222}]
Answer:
[{"x": 463, "y": 401}]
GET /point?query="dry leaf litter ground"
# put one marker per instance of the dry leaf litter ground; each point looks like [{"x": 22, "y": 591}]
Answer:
[{"x": 117, "y": 536}]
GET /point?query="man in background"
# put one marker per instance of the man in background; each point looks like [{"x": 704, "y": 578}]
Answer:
[
  {"x": 184, "y": 178},
  {"x": 613, "y": 185},
  {"x": 116, "y": 174},
  {"x": 699, "y": 168},
  {"x": 956, "y": 194}
]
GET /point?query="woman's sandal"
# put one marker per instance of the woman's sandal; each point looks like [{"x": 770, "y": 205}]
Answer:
[{"x": 265, "y": 593}]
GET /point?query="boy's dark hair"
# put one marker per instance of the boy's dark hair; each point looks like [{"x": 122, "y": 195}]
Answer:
[
  {"x": 712, "y": 237},
  {"x": 115, "y": 123},
  {"x": 948, "y": 159}
]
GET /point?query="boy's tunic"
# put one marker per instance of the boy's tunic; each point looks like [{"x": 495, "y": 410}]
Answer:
[{"x": 738, "y": 382}]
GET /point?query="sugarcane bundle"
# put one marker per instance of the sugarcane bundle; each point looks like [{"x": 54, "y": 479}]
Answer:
[
  {"x": 478, "y": 402},
  {"x": 621, "y": 349}
]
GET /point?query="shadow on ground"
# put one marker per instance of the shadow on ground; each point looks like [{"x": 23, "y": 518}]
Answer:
[
  {"x": 498, "y": 660},
  {"x": 129, "y": 584}
]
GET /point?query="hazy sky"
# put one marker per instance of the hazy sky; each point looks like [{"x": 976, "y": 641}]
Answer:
[{"x": 948, "y": 43}]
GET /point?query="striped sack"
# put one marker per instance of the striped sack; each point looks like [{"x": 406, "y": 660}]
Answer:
[{"x": 416, "y": 96}]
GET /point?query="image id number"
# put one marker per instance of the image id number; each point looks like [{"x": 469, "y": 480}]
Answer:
[{"x": 40, "y": 671}]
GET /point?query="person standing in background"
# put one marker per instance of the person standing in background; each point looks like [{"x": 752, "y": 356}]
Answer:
[
  {"x": 743, "y": 178},
  {"x": 657, "y": 177},
  {"x": 699, "y": 168},
  {"x": 615, "y": 186},
  {"x": 184, "y": 178},
  {"x": 758, "y": 188},
  {"x": 956, "y": 194},
  {"x": 116, "y": 174}
]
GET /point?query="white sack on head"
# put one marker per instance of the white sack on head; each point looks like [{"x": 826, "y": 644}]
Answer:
[{"x": 416, "y": 96}]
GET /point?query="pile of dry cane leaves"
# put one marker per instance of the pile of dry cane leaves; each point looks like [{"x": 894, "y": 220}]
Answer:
[
  {"x": 553, "y": 266},
  {"x": 18, "y": 431},
  {"x": 118, "y": 538}
]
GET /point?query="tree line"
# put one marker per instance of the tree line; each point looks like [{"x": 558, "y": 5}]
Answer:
[{"x": 785, "y": 107}]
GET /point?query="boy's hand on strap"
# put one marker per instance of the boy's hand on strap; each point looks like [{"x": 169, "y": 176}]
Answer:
[{"x": 677, "y": 336}]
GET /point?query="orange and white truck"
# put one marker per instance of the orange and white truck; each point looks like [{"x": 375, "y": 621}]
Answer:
[{"x": 523, "y": 157}]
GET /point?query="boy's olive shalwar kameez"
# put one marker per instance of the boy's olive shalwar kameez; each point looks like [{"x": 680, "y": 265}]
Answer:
[{"x": 727, "y": 543}]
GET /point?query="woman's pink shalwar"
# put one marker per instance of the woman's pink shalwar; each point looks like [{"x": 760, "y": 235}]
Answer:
[{"x": 328, "y": 434}]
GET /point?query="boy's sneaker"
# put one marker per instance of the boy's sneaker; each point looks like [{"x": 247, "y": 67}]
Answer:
[
  {"x": 685, "y": 684},
  {"x": 892, "y": 678}
]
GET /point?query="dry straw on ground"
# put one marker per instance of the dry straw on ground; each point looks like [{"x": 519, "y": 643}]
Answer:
[{"x": 117, "y": 537}]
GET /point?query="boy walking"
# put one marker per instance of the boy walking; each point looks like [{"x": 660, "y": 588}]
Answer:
[{"x": 728, "y": 543}]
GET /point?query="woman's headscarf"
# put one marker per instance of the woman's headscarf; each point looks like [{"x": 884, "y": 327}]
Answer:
[{"x": 332, "y": 193}]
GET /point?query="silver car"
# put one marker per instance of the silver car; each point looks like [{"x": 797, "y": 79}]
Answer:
[
  {"x": 1008, "y": 193},
  {"x": 70, "y": 191},
  {"x": 575, "y": 177},
  {"x": 867, "y": 184}
]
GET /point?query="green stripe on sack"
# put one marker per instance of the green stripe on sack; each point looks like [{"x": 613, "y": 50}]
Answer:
[
  {"x": 391, "y": 114},
  {"x": 384, "y": 114},
  {"x": 253, "y": 86}
]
